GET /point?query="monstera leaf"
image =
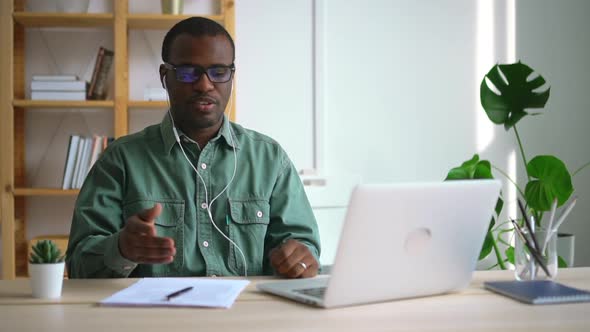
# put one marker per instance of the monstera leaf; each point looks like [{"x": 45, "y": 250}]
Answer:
[
  {"x": 551, "y": 180},
  {"x": 516, "y": 93},
  {"x": 471, "y": 169},
  {"x": 510, "y": 255},
  {"x": 478, "y": 169}
]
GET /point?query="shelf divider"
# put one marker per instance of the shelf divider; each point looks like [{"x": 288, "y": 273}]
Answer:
[
  {"x": 45, "y": 192},
  {"x": 161, "y": 21},
  {"x": 148, "y": 104},
  {"x": 66, "y": 20},
  {"x": 27, "y": 103}
]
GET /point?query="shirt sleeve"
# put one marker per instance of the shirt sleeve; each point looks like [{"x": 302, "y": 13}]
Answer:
[
  {"x": 291, "y": 214},
  {"x": 93, "y": 247}
]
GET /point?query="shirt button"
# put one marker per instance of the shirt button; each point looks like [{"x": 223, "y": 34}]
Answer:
[
  {"x": 204, "y": 166},
  {"x": 204, "y": 205},
  {"x": 205, "y": 244},
  {"x": 127, "y": 267},
  {"x": 259, "y": 214}
]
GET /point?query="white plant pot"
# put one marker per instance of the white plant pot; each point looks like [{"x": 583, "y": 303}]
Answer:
[{"x": 46, "y": 280}]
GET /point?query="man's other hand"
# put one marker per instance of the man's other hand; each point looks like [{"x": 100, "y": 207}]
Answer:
[
  {"x": 138, "y": 241},
  {"x": 293, "y": 259}
]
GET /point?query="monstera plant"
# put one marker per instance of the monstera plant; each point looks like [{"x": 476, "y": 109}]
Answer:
[{"x": 507, "y": 95}]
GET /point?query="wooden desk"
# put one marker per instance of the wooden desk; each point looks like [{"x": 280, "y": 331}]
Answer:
[{"x": 473, "y": 309}]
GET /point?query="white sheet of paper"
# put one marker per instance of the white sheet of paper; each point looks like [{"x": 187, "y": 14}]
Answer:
[{"x": 148, "y": 292}]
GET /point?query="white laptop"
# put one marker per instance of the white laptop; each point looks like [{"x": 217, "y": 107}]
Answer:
[{"x": 400, "y": 241}]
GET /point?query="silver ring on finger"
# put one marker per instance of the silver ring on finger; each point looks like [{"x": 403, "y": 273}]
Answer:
[{"x": 303, "y": 265}]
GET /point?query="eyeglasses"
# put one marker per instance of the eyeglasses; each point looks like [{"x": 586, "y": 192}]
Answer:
[{"x": 192, "y": 73}]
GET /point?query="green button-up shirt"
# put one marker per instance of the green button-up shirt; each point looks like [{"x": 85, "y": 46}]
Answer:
[{"x": 264, "y": 205}]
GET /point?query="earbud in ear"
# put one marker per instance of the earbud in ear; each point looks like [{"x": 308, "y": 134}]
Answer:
[{"x": 164, "y": 82}]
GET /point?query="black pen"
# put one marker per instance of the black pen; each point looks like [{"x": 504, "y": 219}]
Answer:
[
  {"x": 533, "y": 251},
  {"x": 177, "y": 293},
  {"x": 537, "y": 257},
  {"x": 528, "y": 224}
]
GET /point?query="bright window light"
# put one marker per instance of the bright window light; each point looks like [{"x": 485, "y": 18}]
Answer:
[{"x": 484, "y": 59}]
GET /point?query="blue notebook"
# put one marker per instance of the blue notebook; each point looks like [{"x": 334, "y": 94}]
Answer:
[{"x": 538, "y": 291}]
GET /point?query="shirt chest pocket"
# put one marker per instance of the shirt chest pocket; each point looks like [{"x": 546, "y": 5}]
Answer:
[
  {"x": 170, "y": 223},
  {"x": 249, "y": 222}
]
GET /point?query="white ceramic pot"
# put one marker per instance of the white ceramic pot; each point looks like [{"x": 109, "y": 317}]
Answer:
[{"x": 46, "y": 280}]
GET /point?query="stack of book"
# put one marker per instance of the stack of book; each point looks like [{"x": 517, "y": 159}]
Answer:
[
  {"x": 69, "y": 87},
  {"x": 58, "y": 87},
  {"x": 82, "y": 154}
]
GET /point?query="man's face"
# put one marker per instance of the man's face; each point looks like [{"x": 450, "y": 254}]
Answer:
[{"x": 198, "y": 105}]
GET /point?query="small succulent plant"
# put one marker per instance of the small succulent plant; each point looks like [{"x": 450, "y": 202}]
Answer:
[{"x": 46, "y": 252}]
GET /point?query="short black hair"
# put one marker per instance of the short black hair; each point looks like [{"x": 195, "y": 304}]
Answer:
[{"x": 196, "y": 27}]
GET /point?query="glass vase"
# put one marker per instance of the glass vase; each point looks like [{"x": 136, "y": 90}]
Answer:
[{"x": 527, "y": 266}]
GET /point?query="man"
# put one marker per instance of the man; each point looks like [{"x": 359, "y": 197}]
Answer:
[{"x": 194, "y": 195}]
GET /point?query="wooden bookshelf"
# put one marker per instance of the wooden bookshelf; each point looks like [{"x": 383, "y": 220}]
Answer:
[
  {"x": 14, "y": 20},
  {"x": 26, "y": 103},
  {"x": 161, "y": 22},
  {"x": 45, "y": 192},
  {"x": 148, "y": 104},
  {"x": 121, "y": 67},
  {"x": 7, "y": 142},
  {"x": 63, "y": 20}
]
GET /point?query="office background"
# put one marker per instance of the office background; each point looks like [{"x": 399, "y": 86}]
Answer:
[{"x": 371, "y": 91}]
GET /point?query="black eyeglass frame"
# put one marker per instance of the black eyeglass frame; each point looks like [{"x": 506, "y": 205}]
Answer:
[{"x": 202, "y": 70}]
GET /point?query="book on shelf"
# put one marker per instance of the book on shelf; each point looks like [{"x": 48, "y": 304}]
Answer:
[
  {"x": 82, "y": 153},
  {"x": 58, "y": 87},
  {"x": 84, "y": 162},
  {"x": 70, "y": 161},
  {"x": 58, "y": 95},
  {"x": 79, "y": 157},
  {"x": 55, "y": 78},
  {"x": 49, "y": 85},
  {"x": 98, "y": 85},
  {"x": 96, "y": 150}
]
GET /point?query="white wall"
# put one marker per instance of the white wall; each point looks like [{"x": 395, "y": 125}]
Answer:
[
  {"x": 552, "y": 37},
  {"x": 399, "y": 88},
  {"x": 274, "y": 75}
]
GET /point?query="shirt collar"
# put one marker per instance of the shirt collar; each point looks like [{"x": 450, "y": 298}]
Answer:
[{"x": 170, "y": 140}]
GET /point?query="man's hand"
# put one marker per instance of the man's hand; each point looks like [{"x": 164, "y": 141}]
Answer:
[
  {"x": 139, "y": 242},
  {"x": 293, "y": 259}
]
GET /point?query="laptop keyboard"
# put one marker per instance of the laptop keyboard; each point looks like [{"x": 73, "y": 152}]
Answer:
[{"x": 318, "y": 292}]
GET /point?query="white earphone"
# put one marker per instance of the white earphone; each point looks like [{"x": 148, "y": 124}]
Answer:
[
  {"x": 209, "y": 204},
  {"x": 171, "y": 118}
]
